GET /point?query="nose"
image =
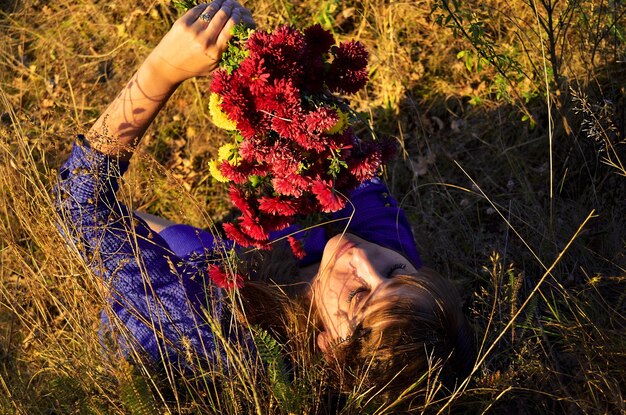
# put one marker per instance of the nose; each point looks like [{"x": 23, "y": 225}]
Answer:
[{"x": 366, "y": 269}]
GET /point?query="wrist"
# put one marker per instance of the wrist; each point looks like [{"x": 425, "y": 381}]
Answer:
[{"x": 155, "y": 74}]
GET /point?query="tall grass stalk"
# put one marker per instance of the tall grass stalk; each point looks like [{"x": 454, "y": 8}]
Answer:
[{"x": 506, "y": 111}]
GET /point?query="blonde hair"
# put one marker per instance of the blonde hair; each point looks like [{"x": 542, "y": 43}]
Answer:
[
  {"x": 399, "y": 339},
  {"x": 402, "y": 337}
]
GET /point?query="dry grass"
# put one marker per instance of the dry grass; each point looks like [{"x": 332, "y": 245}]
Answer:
[{"x": 512, "y": 172}]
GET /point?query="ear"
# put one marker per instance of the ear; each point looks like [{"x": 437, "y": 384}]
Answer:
[{"x": 323, "y": 341}]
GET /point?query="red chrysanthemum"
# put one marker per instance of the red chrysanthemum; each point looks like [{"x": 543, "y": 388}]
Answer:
[
  {"x": 240, "y": 201},
  {"x": 288, "y": 124},
  {"x": 280, "y": 97},
  {"x": 289, "y": 41},
  {"x": 346, "y": 81},
  {"x": 318, "y": 40},
  {"x": 283, "y": 163},
  {"x": 240, "y": 174},
  {"x": 238, "y": 104},
  {"x": 233, "y": 172},
  {"x": 296, "y": 247},
  {"x": 252, "y": 226},
  {"x": 278, "y": 206},
  {"x": 275, "y": 223},
  {"x": 343, "y": 142},
  {"x": 223, "y": 280},
  {"x": 351, "y": 55},
  {"x": 366, "y": 162},
  {"x": 347, "y": 73},
  {"x": 257, "y": 74},
  {"x": 287, "y": 45},
  {"x": 258, "y": 42},
  {"x": 219, "y": 82},
  {"x": 321, "y": 119},
  {"x": 290, "y": 185},
  {"x": 328, "y": 199},
  {"x": 234, "y": 233}
]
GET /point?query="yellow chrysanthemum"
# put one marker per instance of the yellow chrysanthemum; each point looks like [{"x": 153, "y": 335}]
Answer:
[
  {"x": 216, "y": 173},
  {"x": 341, "y": 124},
  {"x": 228, "y": 152},
  {"x": 218, "y": 116}
]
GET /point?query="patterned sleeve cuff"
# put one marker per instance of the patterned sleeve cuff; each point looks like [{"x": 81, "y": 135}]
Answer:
[{"x": 88, "y": 172}]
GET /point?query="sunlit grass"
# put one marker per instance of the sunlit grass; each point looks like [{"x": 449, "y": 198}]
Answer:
[{"x": 523, "y": 208}]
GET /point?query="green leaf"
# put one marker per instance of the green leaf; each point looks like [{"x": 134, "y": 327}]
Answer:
[
  {"x": 270, "y": 352},
  {"x": 185, "y": 5},
  {"x": 135, "y": 392},
  {"x": 255, "y": 180},
  {"x": 475, "y": 100}
]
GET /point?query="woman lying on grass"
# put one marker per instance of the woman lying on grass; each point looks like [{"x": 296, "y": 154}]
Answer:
[{"x": 380, "y": 319}]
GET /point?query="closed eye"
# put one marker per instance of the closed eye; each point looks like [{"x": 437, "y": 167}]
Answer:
[
  {"x": 358, "y": 294},
  {"x": 394, "y": 268}
]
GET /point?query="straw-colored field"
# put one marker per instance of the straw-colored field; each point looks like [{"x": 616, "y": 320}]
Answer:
[{"x": 511, "y": 120}]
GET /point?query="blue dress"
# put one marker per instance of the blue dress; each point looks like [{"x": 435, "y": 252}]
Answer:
[{"x": 163, "y": 303}]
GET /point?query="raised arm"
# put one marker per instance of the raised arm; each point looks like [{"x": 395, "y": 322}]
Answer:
[
  {"x": 158, "y": 298},
  {"x": 191, "y": 48}
]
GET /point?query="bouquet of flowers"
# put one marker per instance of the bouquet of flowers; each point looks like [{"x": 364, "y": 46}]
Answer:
[{"x": 293, "y": 151}]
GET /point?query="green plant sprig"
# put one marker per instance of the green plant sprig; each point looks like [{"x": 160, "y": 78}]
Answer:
[{"x": 236, "y": 51}]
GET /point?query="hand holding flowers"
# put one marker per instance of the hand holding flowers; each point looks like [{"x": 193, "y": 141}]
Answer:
[{"x": 194, "y": 46}]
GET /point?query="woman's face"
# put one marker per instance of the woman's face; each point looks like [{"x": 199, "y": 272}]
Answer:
[{"x": 352, "y": 273}]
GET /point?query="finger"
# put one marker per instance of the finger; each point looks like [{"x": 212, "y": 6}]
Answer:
[
  {"x": 248, "y": 20},
  {"x": 226, "y": 33},
  {"x": 207, "y": 15},
  {"x": 219, "y": 21},
  {"x": 192, "y": 14}
]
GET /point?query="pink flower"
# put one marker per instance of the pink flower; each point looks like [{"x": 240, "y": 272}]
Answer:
[{"x": 223, "y": 279}]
